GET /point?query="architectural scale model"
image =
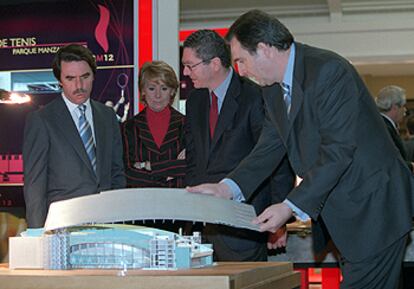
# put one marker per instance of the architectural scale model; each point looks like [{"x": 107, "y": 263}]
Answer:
[
  {"x": 149, "y": 204},
  {"x": 108, "y": 246},
  {"x": 79, "y": 232}
]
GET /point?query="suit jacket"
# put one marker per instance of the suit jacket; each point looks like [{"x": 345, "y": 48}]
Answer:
[
  {"x": 238, "y": 128},
  {"x": 139, "y": 146},
  {"x": 354, "y": 180},
  {"x": 397, "y": 141},
  {"x": 56, "y": 166},
  {"x": 409, "y": 147}
]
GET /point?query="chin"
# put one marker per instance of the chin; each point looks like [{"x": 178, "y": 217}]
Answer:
[
  {"x": 79, "y": 100},
  {"x": 255, "y": 80},
  {"x": 264, "y": 82},
  {"x": 156, "y": 109},
  {"x": 196, "y": 84}
]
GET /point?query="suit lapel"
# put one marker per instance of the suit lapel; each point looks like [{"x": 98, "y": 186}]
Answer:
[
  {"x": 100, "y": 131},
  {"x": 67, "y": 127},
  {"x": 298, "y": 78},
  {"x": 201, "y": 118},
  {"x": 297, "y": 100},
  {"x": 144, "y": 132},
  {"x": 228, "y": 110},
  {"x": 171, "y": 136},
  {"x": 276, "y": 109},
  {"x": 395, "y": 135}
]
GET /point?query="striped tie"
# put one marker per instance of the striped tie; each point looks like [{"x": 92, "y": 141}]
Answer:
[
  {"x": 286, "y": 95},
  {"x": 85, "y": 132}
]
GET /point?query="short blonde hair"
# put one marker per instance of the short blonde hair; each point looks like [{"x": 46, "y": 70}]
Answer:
[{"x": 157, "y": 71}]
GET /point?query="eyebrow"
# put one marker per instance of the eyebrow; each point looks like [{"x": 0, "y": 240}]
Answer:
[{"x": 83, "y": 75}]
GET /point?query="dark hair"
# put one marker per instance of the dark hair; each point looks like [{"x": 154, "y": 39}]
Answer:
[
  {"x": 158, "y": 71},
  {"x": 208, "y": 44},
  {"x": 257, "y": 26},
  {"x": 72, "y": 52}
]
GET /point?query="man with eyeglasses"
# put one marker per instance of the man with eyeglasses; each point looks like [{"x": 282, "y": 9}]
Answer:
[{"x": 223, "y": 123}]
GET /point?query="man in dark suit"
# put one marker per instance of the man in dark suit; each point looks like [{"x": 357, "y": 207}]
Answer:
[
  {"x": 215, "y": 149},
  {"x": 391, "y": 104},
  {"x": 356, "y": 187},
  {"x": 72, "y": 146}
]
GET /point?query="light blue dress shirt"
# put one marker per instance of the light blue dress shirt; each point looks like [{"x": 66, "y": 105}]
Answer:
[
  {"x": 221, "y": 90},
  {"x": 75, "y": 113}
]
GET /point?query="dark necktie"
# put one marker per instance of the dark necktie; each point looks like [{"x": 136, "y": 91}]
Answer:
[
  {"x": 85, "y": 132},
  {"x": 286, "y": 96},
  {"x": 213, "y": 113}
]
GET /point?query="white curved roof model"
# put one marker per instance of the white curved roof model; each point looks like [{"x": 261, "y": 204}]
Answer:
[{"x": 149, "y": 204}]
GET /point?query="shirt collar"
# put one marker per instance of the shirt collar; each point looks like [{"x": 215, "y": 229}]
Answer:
[
  {"x": 288, "y": 77},
  {"x": 73, "y": 106},
  {"x": 221, "y": 90},
  {"x": 392, "y": 122}
]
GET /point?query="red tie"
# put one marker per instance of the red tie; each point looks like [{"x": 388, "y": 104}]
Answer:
[{"x": 213, "y": 113}]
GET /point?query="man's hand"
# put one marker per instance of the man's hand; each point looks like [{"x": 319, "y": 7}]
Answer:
[
  {"x": 273, "y": 217},
  {"x": 277, "y": 239},
  {"x": 219, "y": 190}
]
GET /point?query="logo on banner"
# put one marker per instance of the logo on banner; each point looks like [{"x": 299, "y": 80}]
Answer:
[
  {"x": 101, "y": 30},
  {"x": 101, "y": 35}
]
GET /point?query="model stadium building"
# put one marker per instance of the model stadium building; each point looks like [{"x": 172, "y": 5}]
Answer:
[
  {"x": 109, "y": 246},
  {"x": 72, "y": 239}
]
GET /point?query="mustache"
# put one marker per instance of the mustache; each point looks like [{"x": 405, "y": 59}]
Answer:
[{"x": 80, "y": 90}]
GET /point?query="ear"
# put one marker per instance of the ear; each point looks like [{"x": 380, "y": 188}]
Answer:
[
  {"x": 395, "y": 107},
  {"x": 264, "y": 49},
  {"x": 216, "y": 63}
]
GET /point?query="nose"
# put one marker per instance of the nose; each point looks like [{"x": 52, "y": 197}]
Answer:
[
  {"x": 242, "y": 70},
  {"x": 186, "y": 71},
  {"x": 79, "y": 83},
  {"x": 157, "y": 93}
]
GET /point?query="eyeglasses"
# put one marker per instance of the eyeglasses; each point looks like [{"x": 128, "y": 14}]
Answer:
[{"x": 191, "y": 67}]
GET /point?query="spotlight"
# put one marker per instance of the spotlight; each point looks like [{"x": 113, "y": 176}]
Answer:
[{"x": 16, "y": 98}]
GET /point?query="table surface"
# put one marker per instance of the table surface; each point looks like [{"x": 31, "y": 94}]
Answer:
[{"x": 229, "y": 275}]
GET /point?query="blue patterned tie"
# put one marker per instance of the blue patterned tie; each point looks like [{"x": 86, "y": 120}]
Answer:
[
  {"x": 85, "y": 132},
  {"x": 286, "y": 96}
]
